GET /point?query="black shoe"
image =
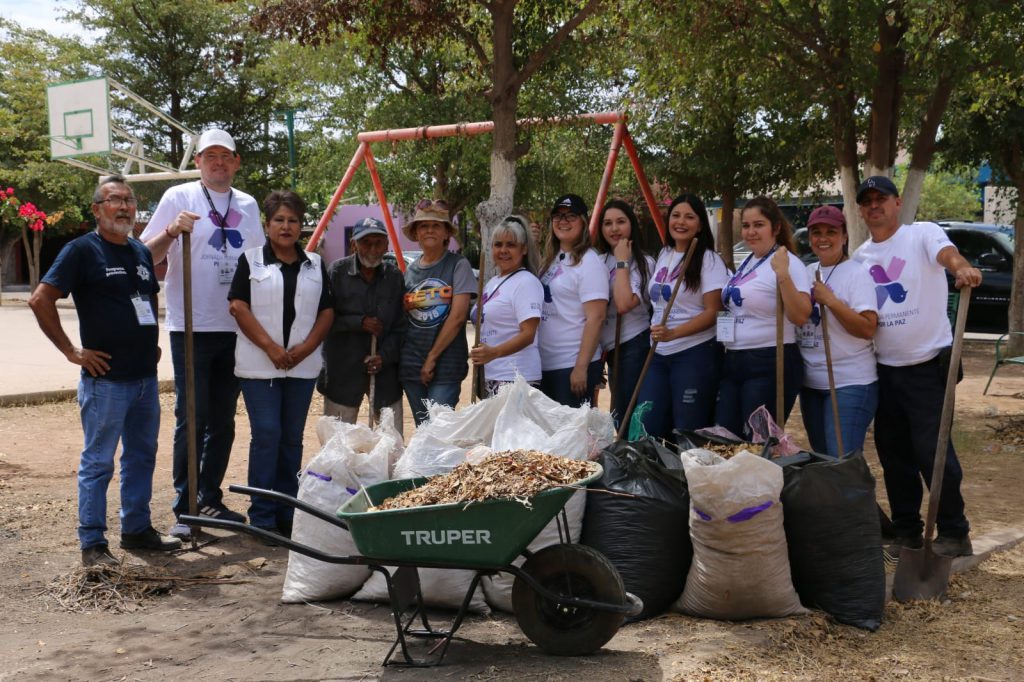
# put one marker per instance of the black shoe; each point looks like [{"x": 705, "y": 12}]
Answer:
[
  {"x": 944, "y": 545},
  {"x": 98, "y": 555},
  {"x": 149, "y": 539},
  {"x": 285, "y": 529},
  {"x": 219, "y": 511}
]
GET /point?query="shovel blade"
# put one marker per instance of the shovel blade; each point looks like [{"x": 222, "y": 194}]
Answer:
[{"x": 921, "y": 574}]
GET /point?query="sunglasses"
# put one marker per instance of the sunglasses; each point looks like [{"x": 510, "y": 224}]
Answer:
[{"x": 432, "y": 203}]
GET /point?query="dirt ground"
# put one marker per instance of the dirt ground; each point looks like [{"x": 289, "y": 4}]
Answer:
[{"x": 238, "y": 630}]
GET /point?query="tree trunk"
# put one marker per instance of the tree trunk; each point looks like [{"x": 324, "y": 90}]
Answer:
[
  {"x": 1015, "y": 315},
  {"x": 912, "y": 189},
  {"x": 31, "y": 257},
  {"x": 887, "y": 94},
  {"x": 725, "y": 242},
  {"x": 855, "y": 227}
]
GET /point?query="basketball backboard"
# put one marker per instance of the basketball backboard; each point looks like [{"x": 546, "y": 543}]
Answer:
[{"x": 79, "y": 116}]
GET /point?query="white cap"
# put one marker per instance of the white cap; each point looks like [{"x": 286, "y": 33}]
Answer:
[{"x": 215, "y": 138}]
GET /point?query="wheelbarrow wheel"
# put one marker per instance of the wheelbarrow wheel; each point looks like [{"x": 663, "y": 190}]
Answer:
[{"x": 570, "y": 570}]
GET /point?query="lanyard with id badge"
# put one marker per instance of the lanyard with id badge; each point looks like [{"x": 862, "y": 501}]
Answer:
[
  {"x": 141, "y": 304},
  {"x": 725, "y": 327},
  {"x": 225, "y": 265}
]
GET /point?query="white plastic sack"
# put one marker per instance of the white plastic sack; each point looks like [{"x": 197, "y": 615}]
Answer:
[
  {"x": 740, "y": 563},
  {"x": 442, "y": 588},
  {"x": 531, "y": 420},
  {"x": 353, "y": 456}
]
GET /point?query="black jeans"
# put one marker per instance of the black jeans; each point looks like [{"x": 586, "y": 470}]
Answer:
[
  {"x": 216, "y": 399},
  {"x": 906, "y": 432}
]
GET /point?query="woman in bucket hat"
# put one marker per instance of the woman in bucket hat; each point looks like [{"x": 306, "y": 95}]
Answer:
[{"x": 438, "y": 288}]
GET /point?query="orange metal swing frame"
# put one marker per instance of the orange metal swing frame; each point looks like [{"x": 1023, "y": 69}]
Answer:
[{"x": 363, "y": 154}]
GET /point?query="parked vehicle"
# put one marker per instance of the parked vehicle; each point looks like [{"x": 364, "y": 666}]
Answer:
[{"x": 990, "y": 249}]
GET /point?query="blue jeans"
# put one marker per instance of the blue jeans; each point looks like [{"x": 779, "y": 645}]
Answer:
[
  {"x": 442, "y": 393},
  {"x": 129, "y": 412},
  {"x": 748, "y": 381},
  {"x": 681, "y": 388},
  {"x": 277, "y": 414},
  {"x": 857, "y": 405},
  {"x": 632, "y": 354},
  {"x": 216, "y": 401},
  {"x": 555, "y": 385},
  {"x": 906, "y": 432}
]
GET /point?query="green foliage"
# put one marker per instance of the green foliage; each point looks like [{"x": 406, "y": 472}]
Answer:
[
  {"x": 946, "y": 196},
  {"x": 29, "y": 60}
]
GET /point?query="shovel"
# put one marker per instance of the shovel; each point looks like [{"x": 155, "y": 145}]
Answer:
[
  {"x": 190, "y": 384},
  {"x": 373, "y": 385},
  {"x": 921, "y": 573},
  {"x": 831, "y": 374}
]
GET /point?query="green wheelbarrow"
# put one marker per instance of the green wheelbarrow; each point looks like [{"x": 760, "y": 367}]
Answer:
[{"x": 568, "y": 598}]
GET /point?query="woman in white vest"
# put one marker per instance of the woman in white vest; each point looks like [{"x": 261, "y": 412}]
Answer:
[{"x": 281, "y": 299}]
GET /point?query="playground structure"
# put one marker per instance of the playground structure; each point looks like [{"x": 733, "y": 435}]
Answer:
[{"x": 363, "y": 154}]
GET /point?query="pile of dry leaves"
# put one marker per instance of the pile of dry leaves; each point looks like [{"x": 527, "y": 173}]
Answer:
[{"x": 512, "y": 474}]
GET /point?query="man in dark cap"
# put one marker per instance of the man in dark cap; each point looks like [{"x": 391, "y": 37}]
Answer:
[
  {"x": 368, "y": 293},
  {"x": 913, "y": 341}
]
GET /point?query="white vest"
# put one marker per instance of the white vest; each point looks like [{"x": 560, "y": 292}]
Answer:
[{"x": 267, "y": 304}]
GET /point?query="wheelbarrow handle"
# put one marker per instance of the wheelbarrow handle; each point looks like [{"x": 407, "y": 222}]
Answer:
[
  {"x": 287, "y": 543},
  {"x": 289, "y": 501}
]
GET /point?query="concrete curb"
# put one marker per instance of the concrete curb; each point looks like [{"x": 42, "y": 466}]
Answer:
[{"x": 58, "y": 396}]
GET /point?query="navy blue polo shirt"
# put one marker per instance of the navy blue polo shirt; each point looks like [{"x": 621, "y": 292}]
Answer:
[{"x": 102, "y": 277}]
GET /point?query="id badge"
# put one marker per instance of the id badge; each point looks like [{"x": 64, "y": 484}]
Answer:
[
  {"x": 226, "y": 271},
  {"x": 808, "y": 338},
  {"x": 726, "y": 327},
  {"x": 143, "y": 311}
]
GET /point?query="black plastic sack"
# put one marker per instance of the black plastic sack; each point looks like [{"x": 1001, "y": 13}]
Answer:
[
  {"x": 646, "y": 537},
  {"x": 834, "y": 538}
]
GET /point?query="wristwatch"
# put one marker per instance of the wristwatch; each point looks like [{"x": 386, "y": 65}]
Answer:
[{"x": 621, "y": 264}]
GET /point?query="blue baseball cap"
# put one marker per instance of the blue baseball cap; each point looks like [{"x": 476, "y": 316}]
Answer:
[
  {"x": 879, "y": 183},
  {"x": 367, "y": 226}
]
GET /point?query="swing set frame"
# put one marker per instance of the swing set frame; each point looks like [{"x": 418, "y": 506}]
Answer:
[{"x": 620, "y": 138}]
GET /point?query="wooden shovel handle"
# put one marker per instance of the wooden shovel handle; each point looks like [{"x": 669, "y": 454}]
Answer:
[{"x": 831, "y": 374}]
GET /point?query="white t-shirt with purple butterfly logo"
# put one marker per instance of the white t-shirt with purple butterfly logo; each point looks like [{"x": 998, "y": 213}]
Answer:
[
  {"x": 213, "y": 248},
  {"x": 688, "y": 304},
  {"x": 635, "y": 322},
  {"x": 566, "y": 288},
  {"x": 508, "y": 302},
  {"x": 911, "y": 292},
  {"x": 750, "y": 298}
]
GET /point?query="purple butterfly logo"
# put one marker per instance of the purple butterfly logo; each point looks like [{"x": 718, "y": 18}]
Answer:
[
  {"x": 886, "y": 286},
  {"x": 228, "y": 231},
  {"x": 660, "y": 288}
]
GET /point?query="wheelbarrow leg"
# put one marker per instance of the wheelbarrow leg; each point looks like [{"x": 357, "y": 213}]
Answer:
[{"x": 404, "y": 593}]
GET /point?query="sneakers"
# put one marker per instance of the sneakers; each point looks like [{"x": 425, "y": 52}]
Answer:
[
  {"x": 892, "y": 545},
  {"x": 181, "y": 531},
  {"x": 953, "y": 547},
  {"x": 219, "y": 511},
  {"x": 98, "y": 555},
  {"x": 150, "y": 539}
]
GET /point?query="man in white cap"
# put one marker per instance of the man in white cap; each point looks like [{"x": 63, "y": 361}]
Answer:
[{"x": 223, "y": 222}]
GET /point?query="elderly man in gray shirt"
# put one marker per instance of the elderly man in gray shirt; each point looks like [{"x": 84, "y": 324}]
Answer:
[{"x": 368, "y": 303}]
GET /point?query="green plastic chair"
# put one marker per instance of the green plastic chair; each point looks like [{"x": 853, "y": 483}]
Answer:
[{"x": 1002, "y": 358}]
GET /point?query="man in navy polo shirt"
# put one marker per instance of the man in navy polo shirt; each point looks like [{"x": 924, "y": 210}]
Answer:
[{"x": 111, "y": 279}]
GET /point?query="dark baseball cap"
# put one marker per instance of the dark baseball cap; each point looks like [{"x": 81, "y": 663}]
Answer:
[
  {"x": 879, "y": 183},
  {"x": 368, "y": 226},
  {"x": 573, "y": 202}
]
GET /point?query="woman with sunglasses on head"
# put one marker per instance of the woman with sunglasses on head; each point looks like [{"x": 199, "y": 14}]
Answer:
[
  {"x": 512, "y": 303},
  {"x": 747, "y": 327},
  {"x": 281, "y": 299},
  {"x": 682, "y": 380},
  {"x": 846, "y": 294},
  {"x": 620, "y": 242},
  {"x": 575, "y": 303},
  {"x": 438, "y": 286}
]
